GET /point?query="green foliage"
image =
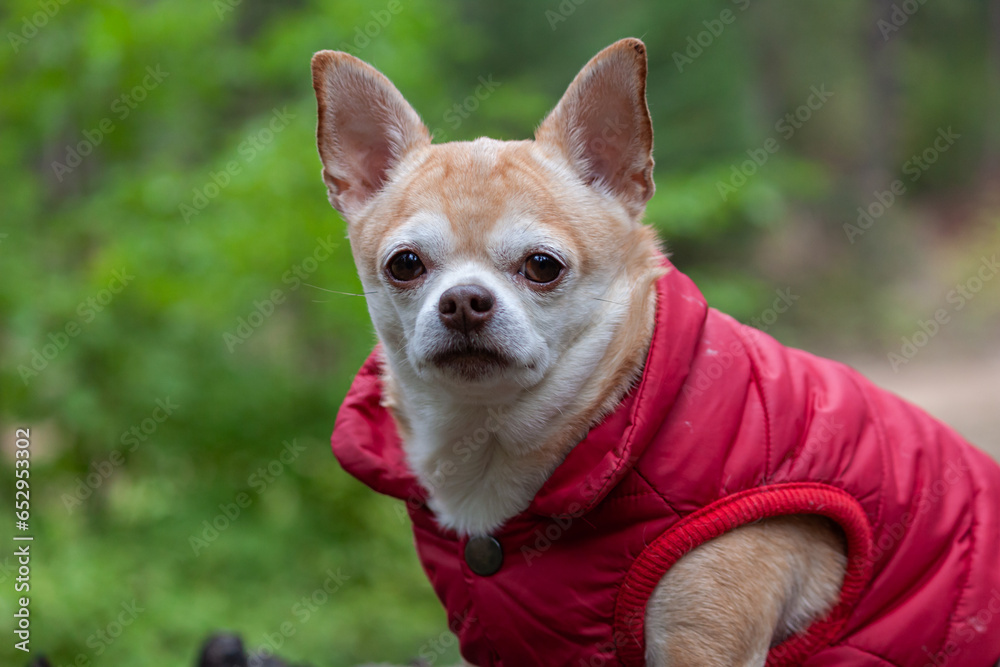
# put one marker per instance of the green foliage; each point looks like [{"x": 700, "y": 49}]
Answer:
[{"x": 200, "y": 188}]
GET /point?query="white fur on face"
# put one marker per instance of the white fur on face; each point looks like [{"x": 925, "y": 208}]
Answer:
[
  {"x": 554, "y": 340},
  {"x": 549, "y": 361},
  {"x": 531, "y": 328}
]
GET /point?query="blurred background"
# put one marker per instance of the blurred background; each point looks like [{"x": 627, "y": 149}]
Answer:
[{"x": 829, "y": 172}]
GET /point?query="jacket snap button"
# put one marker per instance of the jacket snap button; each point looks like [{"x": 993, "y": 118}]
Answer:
[{"x": 484, "y": 555}]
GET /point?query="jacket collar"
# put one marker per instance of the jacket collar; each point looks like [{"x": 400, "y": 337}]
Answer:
[{"x": 367, "y": 445}]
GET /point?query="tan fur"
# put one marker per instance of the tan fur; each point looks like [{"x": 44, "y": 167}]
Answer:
[
  {"x": 471, "y": 211},
  {"x": 727, "y": 602}
]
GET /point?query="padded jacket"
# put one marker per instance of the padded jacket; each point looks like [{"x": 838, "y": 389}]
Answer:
[{"x": 725, "y": 427}]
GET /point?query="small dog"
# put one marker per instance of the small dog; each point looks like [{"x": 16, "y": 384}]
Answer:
[{"x": 599, "y": 468}]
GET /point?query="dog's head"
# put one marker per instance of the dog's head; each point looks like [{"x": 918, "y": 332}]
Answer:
[{"x": 485, "y": 262}]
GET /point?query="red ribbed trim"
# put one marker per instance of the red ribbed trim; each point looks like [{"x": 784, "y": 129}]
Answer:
[{"x": 731, "y": 512}]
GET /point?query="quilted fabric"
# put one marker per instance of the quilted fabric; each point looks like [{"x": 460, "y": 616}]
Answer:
[{"x": 725, "y": 427}]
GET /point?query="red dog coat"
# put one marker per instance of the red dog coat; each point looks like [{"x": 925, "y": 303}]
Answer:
[{"x": 726, "y": 427}]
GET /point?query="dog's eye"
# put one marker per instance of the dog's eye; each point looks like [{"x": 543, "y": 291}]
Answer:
[
  {"x": 541, "y": 268},
  {"x": 406, "y": 266}
]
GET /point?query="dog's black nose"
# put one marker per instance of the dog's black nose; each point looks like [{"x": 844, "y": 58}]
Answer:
[{"x": 466, "y": 308}]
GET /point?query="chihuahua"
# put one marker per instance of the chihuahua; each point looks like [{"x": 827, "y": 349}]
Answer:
[{"x": 512, "y": 284}]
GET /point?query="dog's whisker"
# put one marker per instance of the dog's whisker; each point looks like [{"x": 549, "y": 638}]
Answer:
[
  {"x": 333, "y": 291},
  {"x": 617, "y": 303}
]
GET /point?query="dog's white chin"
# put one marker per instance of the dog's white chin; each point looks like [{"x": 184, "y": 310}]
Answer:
[{"x": 479, "y": 379}]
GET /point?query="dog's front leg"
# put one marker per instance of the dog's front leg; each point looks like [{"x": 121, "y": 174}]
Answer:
[{"x": 728, "y": 601}]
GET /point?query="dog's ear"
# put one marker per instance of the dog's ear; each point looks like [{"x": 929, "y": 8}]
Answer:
[
  {"x": 601, "y": 125},
  {"x": 365, "y": 128}
]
